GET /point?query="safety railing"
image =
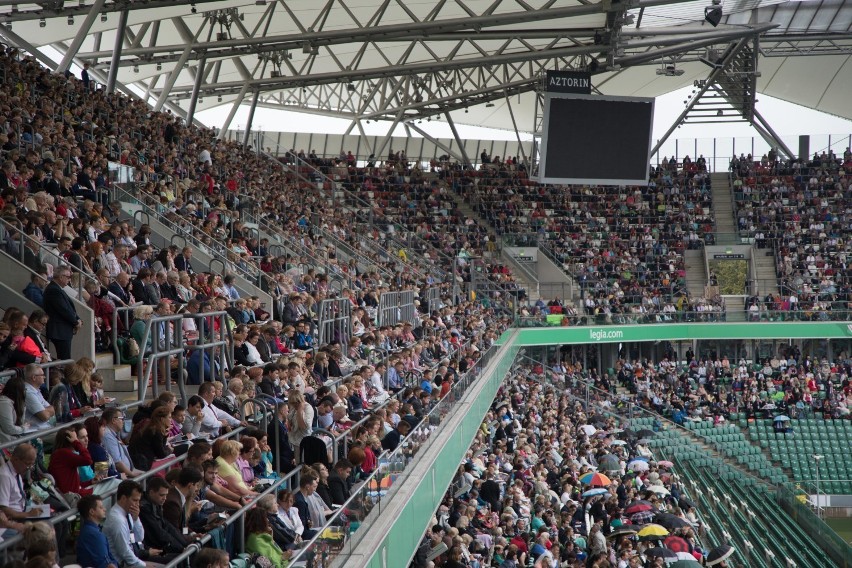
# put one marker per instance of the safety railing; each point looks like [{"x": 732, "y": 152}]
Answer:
[
  {"x": 163, "y": 341},
  {"x": 237, "y": 519},
  {"x": 790, "y": 497},
  {"x": 334, "y": 321},
  {"x": 336, "y": 540},
  {"x": 34, "y": 254},
  {"x": 218, "y": 252},
  {"x": 396, "y": 307}
]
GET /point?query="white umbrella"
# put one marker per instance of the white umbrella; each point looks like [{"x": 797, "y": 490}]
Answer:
[
  {"x": 588, "y": 429},
  {"x": 638, "y": 465},
  {"x": 659, "y": 490}
]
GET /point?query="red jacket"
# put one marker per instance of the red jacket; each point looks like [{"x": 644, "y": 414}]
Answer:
[{"x": 63, "y": 467}]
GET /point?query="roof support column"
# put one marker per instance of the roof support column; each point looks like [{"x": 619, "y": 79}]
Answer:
[
  {"x": 251, "y": 117},
  {"x": 517, "y": 134},
  {"x": 237, "y": 102},
  {"x": 196, "y": 88},
  {"x": 116, "y": 52},
  {"x": 435, "y": 141},
  {"x": 773, "y": 137},
  {"x": 94, "y": 12},
  {"x": 465, "y": 159}
]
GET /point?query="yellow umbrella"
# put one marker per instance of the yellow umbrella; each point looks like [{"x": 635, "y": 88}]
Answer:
[{"x": 652, "y": 531}]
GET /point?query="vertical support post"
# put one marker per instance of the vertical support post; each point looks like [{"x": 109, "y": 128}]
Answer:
[
  {"x": 82, "y": 33},
  {"x": 116, "y": 51},
  {"x": 458, "y": 138},
  {"x": 196, "y": 88},
  {"x": 254, "y": 100}
]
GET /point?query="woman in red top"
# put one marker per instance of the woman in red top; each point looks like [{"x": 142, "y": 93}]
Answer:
[{"x": 69, "y": 454}]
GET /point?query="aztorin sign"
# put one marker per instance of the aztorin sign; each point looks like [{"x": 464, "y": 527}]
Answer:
[{"x": 569, "y": 82}]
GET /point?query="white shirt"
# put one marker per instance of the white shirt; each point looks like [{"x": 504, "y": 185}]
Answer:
[
  {"x": 12, "y": 493},
  {"x": 209, "y": 422},
  {"x": 292, "y": 520},
  {"x": 35, "y": 403}
]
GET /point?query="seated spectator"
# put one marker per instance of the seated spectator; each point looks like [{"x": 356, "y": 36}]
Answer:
[
  {"x": 288, "y": 514},
  {"x": 92, "y": 545},
  {"x": 34, "y": 292},
  {"x": 113, "y": 419},
  {"x": 395, "y": 436},
  {"x": 227, "y": 460},
  {"x": 338, "y": 481},
  {"x": 69, "y": 453},
  {"x": 180, "y": 505},
  {"x": 64, "y": 397},
  {"x": 124, "y": 531},
  {"x": 150, "y": 442},
  {"x": 13, "y": 498},
  {"x": 12, "y": 409},
  {"x": 39, "y": 413},
  {"x": 213, "y": 419},
  {"x": 260, "y": 539},
  {"x": 95, "y": 430}
]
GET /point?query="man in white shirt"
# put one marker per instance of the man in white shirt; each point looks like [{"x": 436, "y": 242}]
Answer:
[
  {"x": 124, "y": 530},
  {"x": 38, "y": 412},
  {"x": 13, "y": 497},
  {"x": 213, "y": 419}
]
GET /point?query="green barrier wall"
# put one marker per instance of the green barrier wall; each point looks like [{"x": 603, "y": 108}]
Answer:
[
  {"x": 681, "y": 331},
  {"x": 399, "y": 544}
]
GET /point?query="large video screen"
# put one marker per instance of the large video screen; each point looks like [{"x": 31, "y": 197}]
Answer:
[{"x": 599, "y": 140}]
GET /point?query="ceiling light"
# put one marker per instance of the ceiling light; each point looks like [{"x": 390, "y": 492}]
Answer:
[
  {"x": 220, "y": 98},
  {"x": 70, "y": 20},
  {"x": 489, "y": 105},
  {"x": 159, "y": 66},
  {"x": 713, "y": 14},
  {"x": 103, "y": 17},
  {"x": 136, "y": 69},
  {"x": 193, "y": 9},
  {"x": 42, "y": 23}
]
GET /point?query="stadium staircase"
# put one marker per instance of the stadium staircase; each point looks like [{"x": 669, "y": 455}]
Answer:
[
  {"x": 696, "y": 271},
  {"x": 723, "y": 209}
]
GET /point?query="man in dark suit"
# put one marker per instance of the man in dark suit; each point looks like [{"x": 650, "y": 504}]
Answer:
[
  {"x": 139, "y": 288},
  {"x": 338, "y": 482},
  {"x": 183, "y": 262},
  {"x": 283, "y": 449},
  {"x": 63, "y": 320},
  {"x": 159, "y": 533},
  {"x": 180, "y": 504}
]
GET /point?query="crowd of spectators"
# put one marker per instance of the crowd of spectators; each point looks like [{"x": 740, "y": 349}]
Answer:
[
  {"x": 798, "y": 210},
  {"x": 623, "y": 246},
  {"x": 549, "y": 482}
]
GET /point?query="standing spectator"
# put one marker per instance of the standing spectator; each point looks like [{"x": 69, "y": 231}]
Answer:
[
  {"x": 84, "y": 76},
  {"x": 63, "y": 321}
]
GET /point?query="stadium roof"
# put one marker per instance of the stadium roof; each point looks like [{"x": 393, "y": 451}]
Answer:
[{"x": 477, "y": 61}]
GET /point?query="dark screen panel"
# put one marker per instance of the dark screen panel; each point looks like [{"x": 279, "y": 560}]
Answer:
[{"x": 601, "y": 140}]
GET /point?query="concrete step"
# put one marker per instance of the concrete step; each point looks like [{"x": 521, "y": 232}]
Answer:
[
  {"x": 103, "y": 360},
  {"x": 118, "y": 378}
]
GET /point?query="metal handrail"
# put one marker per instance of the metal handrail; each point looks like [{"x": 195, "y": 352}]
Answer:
[
  {"x": 22, "y": 241},
  {"x": 252, "y": 274}
]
